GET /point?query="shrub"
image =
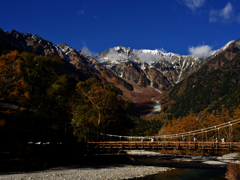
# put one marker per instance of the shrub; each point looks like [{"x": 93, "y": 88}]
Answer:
[{"x": 233, "y": 172}]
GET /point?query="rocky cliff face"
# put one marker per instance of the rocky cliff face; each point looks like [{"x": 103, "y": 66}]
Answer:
[{"x": 151, "y": 67}]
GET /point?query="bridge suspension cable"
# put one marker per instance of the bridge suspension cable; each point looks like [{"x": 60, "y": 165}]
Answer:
[{"x": 194, "y": 132}]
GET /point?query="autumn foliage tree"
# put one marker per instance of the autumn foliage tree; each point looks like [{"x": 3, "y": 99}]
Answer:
[
  {"x": 49, "y": 94},
  {"x": 191, "y": 123},
  {"x": 11, "y": 78},
  {"x": 99, "y": 109},
  {"x": 31, "y": 84}
]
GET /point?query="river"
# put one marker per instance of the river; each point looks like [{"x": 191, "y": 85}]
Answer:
[
  {"x": 184, "y": 170},
  {"x": 189, "y": 174},
  {"x": 156, "y": 108}
]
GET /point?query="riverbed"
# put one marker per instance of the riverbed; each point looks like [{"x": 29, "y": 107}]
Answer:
[
  {"x": 97, "y": 172},
  {"x": 144, "y": 165}
]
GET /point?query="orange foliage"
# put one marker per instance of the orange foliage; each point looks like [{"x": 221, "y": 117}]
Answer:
[
  {"x": 190, "y": 123},
  {"x": 11, "y": 78},
  {"x": 184, "y": 124}
]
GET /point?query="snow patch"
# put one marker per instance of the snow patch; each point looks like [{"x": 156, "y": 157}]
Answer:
[
  {"x": 91, "y": 64},
  {"x": 158, "y": 91},
  {"x": 66, "y": 56}
]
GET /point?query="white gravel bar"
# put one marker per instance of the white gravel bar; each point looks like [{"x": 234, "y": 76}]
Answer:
[{"x": 112, "y": 172}]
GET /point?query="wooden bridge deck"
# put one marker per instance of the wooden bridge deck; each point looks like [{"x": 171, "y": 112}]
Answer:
[{"x": 164, "y": 145}]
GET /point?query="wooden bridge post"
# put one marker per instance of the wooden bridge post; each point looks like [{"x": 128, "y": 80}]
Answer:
[
  {"x": 110, "y": 144},
  {"x": 230, "y": 137},
  {"x": 189, "y": 139},
  {"x": 202, "y": 144}
]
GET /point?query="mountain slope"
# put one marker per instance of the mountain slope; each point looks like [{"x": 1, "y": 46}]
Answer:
[
  {"x": 74, "y": 65},
  {"x": 215, "y": 84}
]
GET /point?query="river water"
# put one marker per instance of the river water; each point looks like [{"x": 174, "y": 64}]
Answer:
[
  {"x": 189, "y": 174},
  {"x": 184, "y": 170}
]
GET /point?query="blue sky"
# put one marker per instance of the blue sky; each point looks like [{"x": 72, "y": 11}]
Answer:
[{"x": 178, "y": 26}]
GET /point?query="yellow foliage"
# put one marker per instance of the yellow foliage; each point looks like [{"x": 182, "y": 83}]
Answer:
[{"x": 11, "y": 78}]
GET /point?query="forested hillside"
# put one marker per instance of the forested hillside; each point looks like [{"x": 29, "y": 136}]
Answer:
[{"x": 215, "y": 84}]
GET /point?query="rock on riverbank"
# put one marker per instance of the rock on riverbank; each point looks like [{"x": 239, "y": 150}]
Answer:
[{"x": 212, "y": 160}]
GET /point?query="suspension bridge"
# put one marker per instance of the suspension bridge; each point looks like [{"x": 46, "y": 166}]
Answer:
[{"x": 173, "y": 141}]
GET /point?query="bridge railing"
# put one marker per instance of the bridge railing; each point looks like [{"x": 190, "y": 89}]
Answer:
[{"x": 163, "y": 145}]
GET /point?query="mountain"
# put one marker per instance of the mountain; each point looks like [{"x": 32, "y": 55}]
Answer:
[
  {"x": 214, "y": 85},
  {"x": 75, "y": 66},
  {"x": 140, "y": 75},
  {"x": 155, "y": 68}
]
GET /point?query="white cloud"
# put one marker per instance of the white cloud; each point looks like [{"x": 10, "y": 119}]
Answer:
[
  {"x": 200, "y": 51},
  {"x": 227, "y": 11},
  {"x": 115, "y": 55},
  {"x": 193, "y": 4},
  {"x": 163, "y": 50},
  {"x": 149, "y": 58},
  {"x": 85, "y": 13},
  {"x": 85, "y": 51},
  {"x": 224, "y": 15},
  {"x": 81, "y": 12}
]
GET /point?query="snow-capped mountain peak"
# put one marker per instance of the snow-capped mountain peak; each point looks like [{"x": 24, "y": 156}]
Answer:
[{"x": 173, "y": 66}]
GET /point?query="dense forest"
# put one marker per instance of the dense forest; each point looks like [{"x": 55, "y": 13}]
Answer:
[
  {"x": 38, "y": 103},
  {"x": 215, "y": 84}
]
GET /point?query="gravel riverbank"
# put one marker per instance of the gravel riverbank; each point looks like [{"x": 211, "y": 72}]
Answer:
[
  {"x": 124, "y": 170},
  {"x": 119, "y": 171}
]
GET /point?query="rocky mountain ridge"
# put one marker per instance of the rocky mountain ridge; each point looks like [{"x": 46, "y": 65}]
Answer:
[
  {"x": 74, "y": 64},
  {"x": 173, "y": 67}
]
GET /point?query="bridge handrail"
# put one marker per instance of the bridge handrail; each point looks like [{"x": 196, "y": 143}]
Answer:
[{"x": 199, "y": 131}]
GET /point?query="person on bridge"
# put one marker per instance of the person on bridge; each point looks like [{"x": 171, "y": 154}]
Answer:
[
  {"x": 194, "y": 139},
  {"x": 184, "y": 139},
  {"x": 153, "y": 139},
  {"x": 223, "y": 141},
  {"x": 213, "y": 140}
]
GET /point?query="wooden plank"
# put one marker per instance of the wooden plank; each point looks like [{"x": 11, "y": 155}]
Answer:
[{"x": 165, "y": 144}]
